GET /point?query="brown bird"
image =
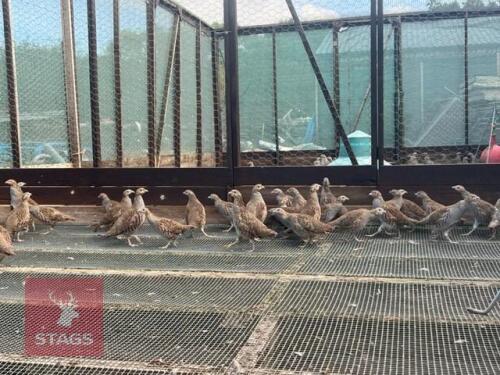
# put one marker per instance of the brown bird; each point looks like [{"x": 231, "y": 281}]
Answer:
[
  {"x": 283, "y": 199},
  {"x": 107, "y": 203},
  {"x": 130, "y": 220},
  {"x": 248, "y": 227},
  {"x": 356, "y": 220},
  {"x": 256, "y": 205},
  {"x": 312, "y": 206},
  {"x": 113, "y": 210},
  {"x": 495, "y": 221},
  {"x": 388, "y": 223},
  {"x": 19, "y": 218},
  {"x": 5, "y": 242},
  {"x": 195, "y": 212},
  {"x": 392, "y": 207},
  {"x": 16, "y": 193},
  {"x": 413, "y": 159},
  {"x": 49, "y": 216},
  {"x": 409, "y": 208},
  {"x": 223, "y": 208},
  {"x": 167, "y": 228},
  {"x": 298, "y": 201},
  {"x": 326, "y": 195},
  {"x": 305, "y": 227},
  {"x": 428, "y": 204},
  {"x": 334, "y": 210},
  {"x": 444, "y": 219},
  {"x": 481, "y": 212}
]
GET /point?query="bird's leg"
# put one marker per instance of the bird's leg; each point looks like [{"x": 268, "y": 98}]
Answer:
[
  {"x": 474, "y": 227},
  {"x": 253, "y": 245},
  {"x": 257, "y": 239},
  {"x": 121, "y": 237},
  {"x": 33, "y": 225},
  {"x": 205, "y": 233},
  {"x": 18, "y": 237},
  {"x": 166, "y": 246},
  {"x": 229, "y": 229},
  {"x": 488, "y": 309},
  {"x": 51, "y": 228},
  {"x": 358, "y": 239},
  {"x": 233, "y": 243},
  {"x": 135, "y": 237},
  {"x": 493, "y": 235},
  {"x": 130, "y": 242},
  {"x": 304, "y": 245},
  {"x": 380, "y": 228},
  {"x": 446, "y": 235}
]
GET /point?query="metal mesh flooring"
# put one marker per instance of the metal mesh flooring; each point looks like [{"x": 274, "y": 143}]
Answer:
[{"x": 196, "y": 308}]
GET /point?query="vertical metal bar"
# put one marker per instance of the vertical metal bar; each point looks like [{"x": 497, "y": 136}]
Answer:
[
  {"x": 466, "y": 76},
  {"x": 199, "y": 108},
  {"x": 380, "y": 84},
  {"x": 94, "y": 85},
  {"x": 216, "y": 101},
  {"x": 374, "y": 86},
  {"x": 321, "y": 82},
  {"x": 150, "y": 29},
  {"x": 336, "y": 79},
  {"x": 398, "y": 92},
  {"x": 70, "y": 83},
  {"x": 166, "y": 87},
  {"x": 277, "y": 159},
  {"x": 117, "y": 83},
  {"x": 232, "y": 84},
  {"x": 10, "y": 62},
  {"x": 177, "y": 99}
]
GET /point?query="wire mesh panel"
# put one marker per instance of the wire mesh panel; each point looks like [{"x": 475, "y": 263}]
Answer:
[
  {"x": 307, "y": 93},
  {"x": 6, "y": 150},
  {"x": 445, "y": 77},
  {"x": 40, "y": 83}
]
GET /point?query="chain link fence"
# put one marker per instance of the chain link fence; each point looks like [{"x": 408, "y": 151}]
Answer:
[{"x": 112, "y": 83}]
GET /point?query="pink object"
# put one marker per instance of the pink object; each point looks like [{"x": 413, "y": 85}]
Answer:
[{"x": 491, "y": 155}]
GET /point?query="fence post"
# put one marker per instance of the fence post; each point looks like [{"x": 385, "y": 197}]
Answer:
[
  {"x": 10, "y": 62},
  {"x": 232, "y": 85},
  {"x": 117, "y": 84},
  {"x": 151, "y": 84}
]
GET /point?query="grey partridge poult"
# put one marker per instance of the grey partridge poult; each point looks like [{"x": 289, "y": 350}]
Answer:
[
  {"x": 19, "y": 218},
  {"x": 167, "y": 228},
  {"x": 114, "y": 210},
  {"x": 256, "y": 205},
  {"x": 195, "y": 212},
  {"x": 223, "y": 208}
]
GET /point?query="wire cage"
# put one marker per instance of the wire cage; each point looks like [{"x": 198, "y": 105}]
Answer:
[{"x": 97, "y": 95}]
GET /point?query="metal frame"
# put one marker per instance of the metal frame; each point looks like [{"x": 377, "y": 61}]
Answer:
[
  {"x": 10, "y": 62},
  {"x": 199, "y": 107},
  {"x": 398, "y": 91},
  {"x": 277, "y": 158},
  {"x": 336, "y": 78},
  {"x": 466, "y": 77},
  {"x": 151, "y": 84},
  {"x": 117, "y": 84},
  {"x": 234, "y": 174},
  {"x": 94, "y": 84},
  {"x": 70, "y": 83}
]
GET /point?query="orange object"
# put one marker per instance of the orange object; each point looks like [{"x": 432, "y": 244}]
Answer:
[{"x": 491, "y": 155}]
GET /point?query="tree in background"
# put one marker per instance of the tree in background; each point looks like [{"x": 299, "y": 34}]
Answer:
[{"x": 440, "y": 5}]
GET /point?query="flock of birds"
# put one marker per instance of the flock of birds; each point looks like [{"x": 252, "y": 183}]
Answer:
[
  {"x": 307, "y": 218},
  {"x": 424, "y": 158}
]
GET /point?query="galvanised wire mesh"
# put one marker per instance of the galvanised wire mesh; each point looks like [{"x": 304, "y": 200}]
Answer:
[
  {"x": 119, "y": 83},
  {"x": 442, "y": 85},
  {"x": 293, "y": 124}
]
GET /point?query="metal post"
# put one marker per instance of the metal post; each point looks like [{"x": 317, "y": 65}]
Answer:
[
  {"x": 10, "y": 62},
  {"x": 177, "y": 99},
  {"x": 232, "y": 85},
  {"x": 277, "y": 159},
  {"x": 94, "y": 85},
  {"x": 70, "y": 83},
  {"x": 321, "y": 82},
  {"x": 117, "y": 83},
  {"x": 380, "y": 84},
  {"x": 373, "y": 85},
  {"x": 199, "y": 109},
  {"x": 336, "y": 79},
  {"x": 166, "y": 88},
  {"x": 216, "y": 98},
  {"x": 398, "y": 92},
  {"x": 150, "y": 29},
  {"x": 466, "y": 76}
]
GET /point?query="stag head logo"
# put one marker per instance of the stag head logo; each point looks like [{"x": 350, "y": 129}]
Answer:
[{"x": 67, "y": 309}]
